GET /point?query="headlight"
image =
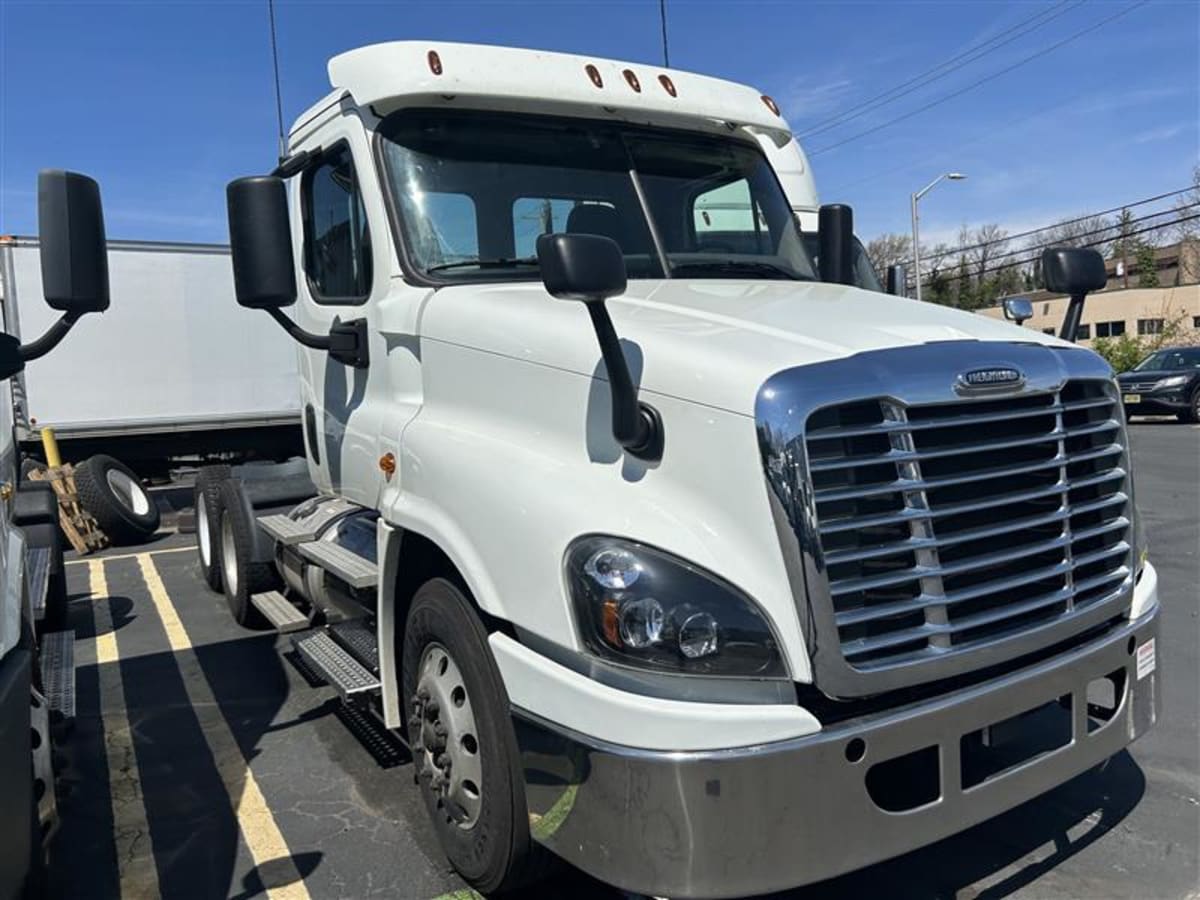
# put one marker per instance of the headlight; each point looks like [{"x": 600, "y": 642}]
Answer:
[
  {"x": 1173, "y": 381},
  {"x": 641, "y": 607}
]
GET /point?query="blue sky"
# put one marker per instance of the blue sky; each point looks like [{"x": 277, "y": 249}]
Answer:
[{"x": 164, "y": 102}]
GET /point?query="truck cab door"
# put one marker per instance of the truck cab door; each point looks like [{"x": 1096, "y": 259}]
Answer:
[{"x": 339, "y": 282}]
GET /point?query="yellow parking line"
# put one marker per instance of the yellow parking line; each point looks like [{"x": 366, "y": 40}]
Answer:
[
  {"x": 136, "y": 872},
  {"x": 259, "y": 830},
  {"x": 84, "y": 562}
]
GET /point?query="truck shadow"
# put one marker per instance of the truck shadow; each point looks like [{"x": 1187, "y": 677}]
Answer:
[{"x": 1003, "y": 855}]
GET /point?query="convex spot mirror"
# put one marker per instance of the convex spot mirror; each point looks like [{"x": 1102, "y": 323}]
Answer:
[
  {"x": 1018, "y": 309},
  {"x": 71, "y": 242},
  {"x": 260, "y": 242}
]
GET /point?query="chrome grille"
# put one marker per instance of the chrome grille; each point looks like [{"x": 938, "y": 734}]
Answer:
[
  {"x": 1136, "y": 387},
  {"x": 945, "y": 526}
]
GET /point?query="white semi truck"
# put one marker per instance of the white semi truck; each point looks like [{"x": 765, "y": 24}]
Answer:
[
  {"x": 37, "y": 677},
  {"x": 725, "y": 576}
]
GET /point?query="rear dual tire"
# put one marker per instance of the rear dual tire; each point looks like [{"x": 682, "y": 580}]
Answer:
[
  {"x": 206, "y": 501},
  {"x": 241, "y": 576}
]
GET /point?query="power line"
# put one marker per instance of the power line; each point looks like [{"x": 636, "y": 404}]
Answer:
[
  {"x": 278, "y": 95},
  {"x": 1083, "y": 218},
  {"x": 1024, "y": 27},
  {"x": 970, "y": 87},
  {"x": 1033, "y": 259}
]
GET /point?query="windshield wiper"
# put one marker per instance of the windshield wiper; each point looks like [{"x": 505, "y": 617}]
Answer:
[
  {"x": 738, "y": 267},
  {"x": 485, "y": 264}
]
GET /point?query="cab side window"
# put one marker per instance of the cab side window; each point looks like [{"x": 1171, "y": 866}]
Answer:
[{"x": 337, "y": 242}]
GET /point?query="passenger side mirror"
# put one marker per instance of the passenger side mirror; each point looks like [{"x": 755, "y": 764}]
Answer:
[
  {"x": 835, "y": 237},
  {"x": 1073, "y": 271},
  {"x": 585, "y": 267},
  {"x": 1018, "y": 309},
  {"x": 897, "y": 280},
  {"x": 73, "y": 252},
  {"x": 260, "y": 242},
  {"x": 590, "y": 268},
  {"x": 71, "y": 242}
]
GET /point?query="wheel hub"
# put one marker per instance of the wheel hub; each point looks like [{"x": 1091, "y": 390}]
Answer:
[{"x": 445, "y": 738}]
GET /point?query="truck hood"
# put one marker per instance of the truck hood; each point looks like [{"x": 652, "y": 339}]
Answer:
[{"x": 712, "y": 342}]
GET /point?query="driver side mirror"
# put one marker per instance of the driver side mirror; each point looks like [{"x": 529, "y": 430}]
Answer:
[
  {"x": 1018, "y": 309},
  {"x": 897, "y": 280},
  {"x": 260, "y": 242}
]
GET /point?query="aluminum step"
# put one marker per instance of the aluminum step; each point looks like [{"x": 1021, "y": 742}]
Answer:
[
  {"x": 280, "y": 611},
  {"x": 287, "y": 531},
  {"x": 37, "y": 562},
  {"x": 345, "y": 564},
  {"x": 58, "y": 671},
  {"x": 334, "y": 663},
  {"x": 359, "y": 638}
]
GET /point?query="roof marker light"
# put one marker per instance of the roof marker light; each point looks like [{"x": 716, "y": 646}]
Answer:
[
  {"x": 435, "y": 62},
  {"x": 772, "y": 105},
  {"x": 594, "y": 74},
  {"x": 668, "y": 85},
  {"x": 632, "y": 78}
]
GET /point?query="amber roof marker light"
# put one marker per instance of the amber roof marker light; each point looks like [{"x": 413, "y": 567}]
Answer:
[
  {"x": 435, "y": 62},
  {"x": 772, "y": 105},
  {"x": 668, "y": 85},
  {"x": 631, "y": 77},
  {"x": 594, "y": 74}
]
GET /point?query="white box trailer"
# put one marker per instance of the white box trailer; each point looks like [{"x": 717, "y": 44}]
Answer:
[{"x": 175, "y": 368}]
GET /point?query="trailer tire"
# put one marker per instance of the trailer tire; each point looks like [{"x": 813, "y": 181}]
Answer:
[
  {"x": 493, "y": 851},
  {"x": 113, "y": 494},
  {"x": 206, "y": 500},
  {"x": 241, "y": 576}
]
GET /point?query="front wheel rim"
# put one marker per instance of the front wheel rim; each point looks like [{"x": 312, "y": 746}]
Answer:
[
  {"x": 445, "y": 738},
  {"x": 229, "y": 555}
]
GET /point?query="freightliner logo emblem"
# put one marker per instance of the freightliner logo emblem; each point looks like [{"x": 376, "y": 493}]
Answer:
[{"x": 992, "y": 378}]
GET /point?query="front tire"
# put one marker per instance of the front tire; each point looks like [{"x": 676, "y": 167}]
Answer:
[
  {"x": 1192, "y": 415},
  {"x": 464, "y": 749}
]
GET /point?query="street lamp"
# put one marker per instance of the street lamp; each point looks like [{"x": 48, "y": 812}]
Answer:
[{"x": 916, "y": 237}]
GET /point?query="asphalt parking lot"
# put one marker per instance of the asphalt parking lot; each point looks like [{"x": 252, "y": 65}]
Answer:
[{"x": 203, "y": 762}]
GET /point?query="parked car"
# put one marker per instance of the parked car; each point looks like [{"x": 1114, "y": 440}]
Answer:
[{"x": 1165, "y": 383}]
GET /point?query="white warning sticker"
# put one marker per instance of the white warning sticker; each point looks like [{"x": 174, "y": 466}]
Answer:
[{"x": 1145, "y": 659}]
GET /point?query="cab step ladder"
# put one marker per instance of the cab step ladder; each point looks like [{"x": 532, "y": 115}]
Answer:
[
  {"x": 280, "y": 612},
  {"x": 347, "y": 565},
  {"x": 288, "y": 531},
  {"x": 333, "y": 662},
  {"x": 38, "y": 569},
  {"x": 58, "y": 671}
]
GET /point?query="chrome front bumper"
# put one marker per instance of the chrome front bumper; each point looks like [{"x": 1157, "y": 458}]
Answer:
[{"x": 756, "y": 819}]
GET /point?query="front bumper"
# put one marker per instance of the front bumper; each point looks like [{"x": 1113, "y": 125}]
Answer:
[
  {"x": 777, "y": 815},
  {"x": 1167, "y": 403}
]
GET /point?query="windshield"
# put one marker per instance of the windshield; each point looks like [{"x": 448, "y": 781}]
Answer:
[
  {"x": 474, "y": 191},
  {"x": 865, "y": 276},
  {"x": 1164, "y": 360}
]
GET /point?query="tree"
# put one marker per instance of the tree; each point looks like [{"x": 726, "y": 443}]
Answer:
[
  {"x": 989, "y": 241},
  {"x": 1147, "y": 266},
  {"x": 1086, "y": 231},
  {"x": 889, "y": 249}
]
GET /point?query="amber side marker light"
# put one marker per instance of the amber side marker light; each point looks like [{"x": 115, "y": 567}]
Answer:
[
  {"x": 668, "y": 85},
  {"x": 631, "y": 77},
  {"x": 771, "y": 105},
  {"x": 435, "y": 62},
  {"x": 387, "y": 465},
  {"x": 594, "y": 74}
]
